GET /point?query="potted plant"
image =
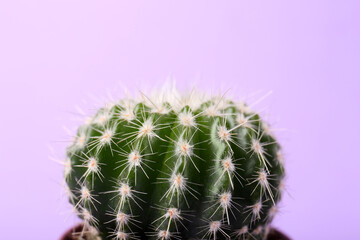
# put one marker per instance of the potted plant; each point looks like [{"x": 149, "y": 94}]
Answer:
[{"x": 174, "y": 166}]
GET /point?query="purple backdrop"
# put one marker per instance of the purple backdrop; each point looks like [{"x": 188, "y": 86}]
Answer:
[{"x": 55, "y": 54}]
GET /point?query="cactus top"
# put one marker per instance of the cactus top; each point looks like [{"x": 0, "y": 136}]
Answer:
[{"x": 179, "y": 167}]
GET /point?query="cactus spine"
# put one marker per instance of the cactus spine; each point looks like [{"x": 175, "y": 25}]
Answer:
[{"x": 175, "y": 167}]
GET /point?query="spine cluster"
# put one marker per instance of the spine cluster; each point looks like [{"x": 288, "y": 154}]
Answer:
[{"x": 174, "y": 169}]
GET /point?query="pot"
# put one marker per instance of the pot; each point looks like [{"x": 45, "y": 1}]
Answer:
[{"x": 69, "y": 235}]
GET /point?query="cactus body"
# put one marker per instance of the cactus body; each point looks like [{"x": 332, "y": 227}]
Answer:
[{"x": 146, "y": 170}]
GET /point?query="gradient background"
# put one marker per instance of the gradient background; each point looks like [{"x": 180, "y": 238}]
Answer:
[{"x": 55, "y": 54}]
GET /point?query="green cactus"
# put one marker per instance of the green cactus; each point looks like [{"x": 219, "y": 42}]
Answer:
[{"x": 175, "y": 167}]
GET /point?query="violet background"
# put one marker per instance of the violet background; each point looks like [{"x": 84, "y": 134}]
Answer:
[{"x": 54, "y": 54}]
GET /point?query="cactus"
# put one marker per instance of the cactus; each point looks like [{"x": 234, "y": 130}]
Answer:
[{"x": 174, "y": 167}]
